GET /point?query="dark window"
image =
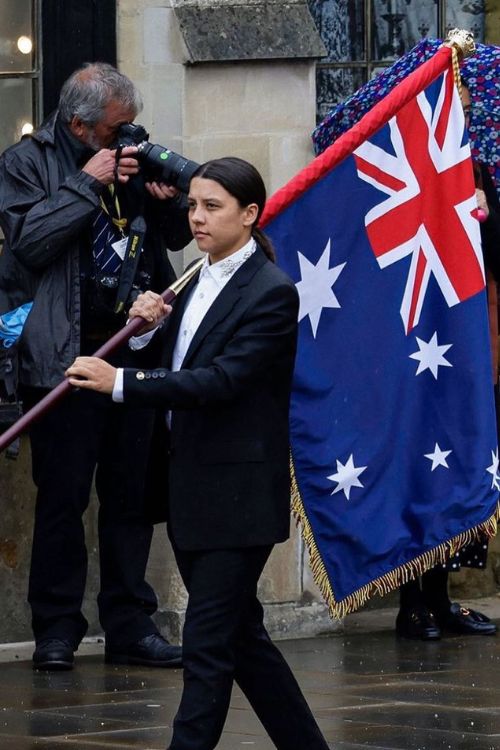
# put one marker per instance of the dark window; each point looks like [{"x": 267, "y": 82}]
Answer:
[
  {"x": 364, "y": 36},
  {"x": 19, "y": 69},
  {"x": 74, "y": 32}
]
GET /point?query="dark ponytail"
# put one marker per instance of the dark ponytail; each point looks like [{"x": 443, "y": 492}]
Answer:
[
  {"x": 243, "y": 182},
  {"x": 264, "y": 242}
]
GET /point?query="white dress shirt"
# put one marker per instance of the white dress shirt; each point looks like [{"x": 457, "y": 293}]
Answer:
[{"x": 211, "y": 281}]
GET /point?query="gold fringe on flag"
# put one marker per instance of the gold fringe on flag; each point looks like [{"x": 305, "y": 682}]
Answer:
[{"x": 390, "y": 581}]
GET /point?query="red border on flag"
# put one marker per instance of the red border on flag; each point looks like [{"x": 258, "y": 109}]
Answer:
[{"x": 348, "y": 142}]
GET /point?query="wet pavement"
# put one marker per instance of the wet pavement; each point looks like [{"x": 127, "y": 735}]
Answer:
[{"x": 366, "y": 688}]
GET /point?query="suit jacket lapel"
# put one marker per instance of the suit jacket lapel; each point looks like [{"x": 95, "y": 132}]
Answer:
[{"x": 226, "y": 300}]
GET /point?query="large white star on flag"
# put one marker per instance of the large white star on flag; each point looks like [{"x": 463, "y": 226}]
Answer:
[
  {"x": 315, "y": 287},
  {"x": 430, "y": 355},
  {"x": 347, "y": 476},
  {"x": 438, "y": 458},
  {"x": 493, "y": 470}
]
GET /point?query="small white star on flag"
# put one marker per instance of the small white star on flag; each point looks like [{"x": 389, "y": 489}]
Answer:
[
  {"x": 347, "y": 476},
  {"x": 493, "y": 470},
  {"x": 430, "y": 355},
  {"x": 438, "y": 458},
  {"x": 315, "y": 287}
]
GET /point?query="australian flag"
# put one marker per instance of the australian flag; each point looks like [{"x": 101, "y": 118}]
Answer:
[{"x": 393, "y": 432}]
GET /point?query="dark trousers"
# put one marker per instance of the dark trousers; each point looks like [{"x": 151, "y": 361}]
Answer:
[
  {"x": 431, "y": 591},
  {"x": 84, "y": 431},
  {"x": 224, "y": 640}
]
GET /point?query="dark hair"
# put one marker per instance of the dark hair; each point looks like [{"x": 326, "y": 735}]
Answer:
[{"x": 243, "y": 182}]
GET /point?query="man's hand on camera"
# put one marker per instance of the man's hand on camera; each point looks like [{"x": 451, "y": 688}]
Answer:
[
  {"x": 103, "y": 167},
  {"x": 161, "y": 191},
  {"x": 151, "y": 307},
  {"x": 92, "y": 373}
]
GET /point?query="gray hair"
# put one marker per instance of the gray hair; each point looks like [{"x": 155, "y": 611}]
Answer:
[{"x": 89, "y": 89}]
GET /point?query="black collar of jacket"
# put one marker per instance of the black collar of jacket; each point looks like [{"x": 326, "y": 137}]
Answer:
[
  {"x": 46, "y": 133},
  {"x": 53, "y": 129},
  {"x": 221, "y": 306}
]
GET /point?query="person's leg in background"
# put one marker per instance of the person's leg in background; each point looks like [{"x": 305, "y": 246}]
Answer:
[
  {"x": 452, "y": 617},
  {"x": 126, "y": 601},
  {"x": 64, "y": 445},
  {"x": 414, "y": 619},
  {"x": 426, "y": 609}
]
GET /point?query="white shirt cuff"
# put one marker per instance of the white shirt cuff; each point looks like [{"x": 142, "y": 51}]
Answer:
[{"x": 117, "y": 394}]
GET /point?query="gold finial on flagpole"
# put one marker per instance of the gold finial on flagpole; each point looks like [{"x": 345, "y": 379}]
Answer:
[
  {"x": 186, "y": 277},
  {"x": 461, "y": 40}
]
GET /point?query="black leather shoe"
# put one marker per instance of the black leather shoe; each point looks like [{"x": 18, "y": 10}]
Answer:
[
  {"x": 54, "y": 654},
  {"x": 418, "y": 623},
  {"x": 466, "y": 621},
  {"x": 151, "y": 651}
]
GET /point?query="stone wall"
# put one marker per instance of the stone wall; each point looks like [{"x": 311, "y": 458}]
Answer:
[{"x": 492, "y": 28}]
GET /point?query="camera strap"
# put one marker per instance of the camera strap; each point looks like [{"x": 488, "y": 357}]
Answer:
[{"x": 130, "y": 262}]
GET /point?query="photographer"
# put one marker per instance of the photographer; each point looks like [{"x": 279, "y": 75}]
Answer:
[{"x": 67, "y": 202}]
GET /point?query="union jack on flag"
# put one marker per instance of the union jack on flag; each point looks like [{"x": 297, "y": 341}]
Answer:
[
  {"x": 428, "y": 213},
  {"x": 393, "y": 433}
]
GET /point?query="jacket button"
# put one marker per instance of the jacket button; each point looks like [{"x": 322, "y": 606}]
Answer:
[
  {"x": 154, "y": 375},
  {"x": 140, "y": 375},
  {"x": 161, "y": 374}
]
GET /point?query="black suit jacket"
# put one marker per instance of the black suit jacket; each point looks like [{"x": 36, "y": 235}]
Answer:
[{"x": 228, "y": 467}]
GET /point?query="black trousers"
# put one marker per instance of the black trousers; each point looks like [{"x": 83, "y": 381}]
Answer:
[
  {"x": 430, "y": 591},
  {"x": 87, "y": 432},
  {"x": 225, "y": 640}
]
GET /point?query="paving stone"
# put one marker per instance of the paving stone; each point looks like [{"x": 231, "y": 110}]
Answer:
[{"x": 368, "y": 691}]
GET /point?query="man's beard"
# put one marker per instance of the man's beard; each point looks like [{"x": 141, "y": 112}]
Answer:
[{"x": 91, "y": 140}]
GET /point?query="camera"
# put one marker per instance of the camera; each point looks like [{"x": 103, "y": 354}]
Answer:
[{"x": 159, "y": 163}]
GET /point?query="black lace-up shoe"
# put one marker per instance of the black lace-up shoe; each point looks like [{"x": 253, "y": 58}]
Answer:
[
  {"x": 151, "y": 651},
  {"x": 418, "y": 623},
  {"x": 54, "y": 654}
]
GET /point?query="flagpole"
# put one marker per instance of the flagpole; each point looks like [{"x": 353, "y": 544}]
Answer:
[
  {"x": 458, "y": 42},
  {"x": 121, "y": 337}
]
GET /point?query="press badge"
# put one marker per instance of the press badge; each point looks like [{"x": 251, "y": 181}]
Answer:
[{"x": 120, "y": 247}]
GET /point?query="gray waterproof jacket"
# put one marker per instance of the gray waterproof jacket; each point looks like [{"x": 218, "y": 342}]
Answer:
[{"x": 46, "y": 220}]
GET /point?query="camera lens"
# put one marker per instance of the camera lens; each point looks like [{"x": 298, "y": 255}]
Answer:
[
  {"x": 168, "y": 166},
  {"x": 158, "y": 162}
]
